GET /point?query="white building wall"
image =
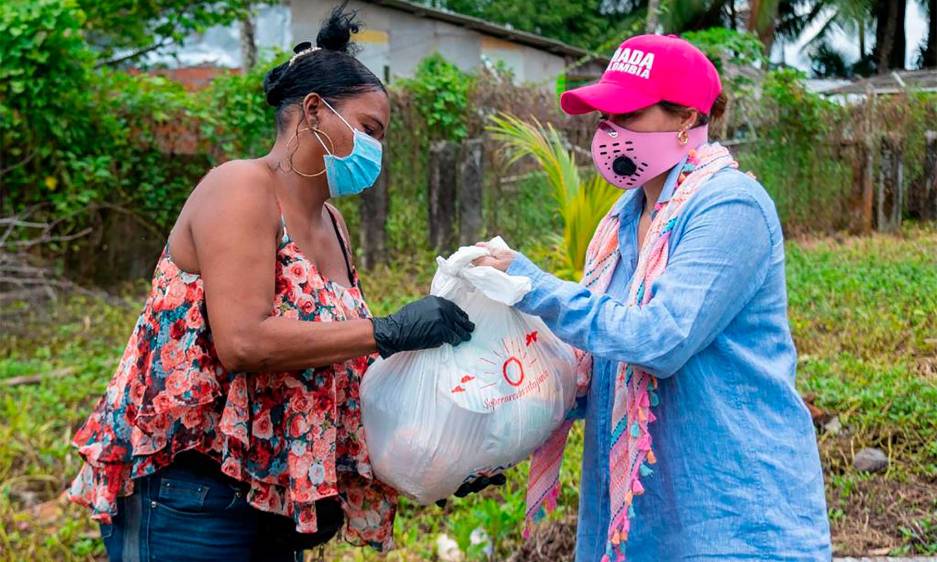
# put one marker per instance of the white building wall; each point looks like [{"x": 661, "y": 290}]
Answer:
[
  {"x": 411, "y": 38},
  {"x": 392, "y": 42},
  {"x": 541, "y": 66}
]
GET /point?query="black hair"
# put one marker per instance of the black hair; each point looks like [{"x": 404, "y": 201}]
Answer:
[{"x": 331, "y": 71}]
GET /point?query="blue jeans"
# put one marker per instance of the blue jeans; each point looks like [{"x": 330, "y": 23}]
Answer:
[{"x": 191, "y": 512}]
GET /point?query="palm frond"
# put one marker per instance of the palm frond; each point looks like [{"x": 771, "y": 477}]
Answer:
[
  {"x": 545, "y": 145},
  {"x": 582, "y": 204},
  {"x": 592, "y": 202}
]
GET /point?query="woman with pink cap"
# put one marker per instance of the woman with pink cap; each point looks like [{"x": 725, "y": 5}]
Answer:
[{"x": 697, "y": 444}]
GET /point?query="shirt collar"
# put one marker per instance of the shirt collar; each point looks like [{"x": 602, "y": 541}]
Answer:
[
  {"x": 632, "y": 200},
  {"x": 670, "y": 184}
]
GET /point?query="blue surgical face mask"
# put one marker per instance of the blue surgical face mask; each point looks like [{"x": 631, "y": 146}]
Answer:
[{"x": 352, "y": 174}]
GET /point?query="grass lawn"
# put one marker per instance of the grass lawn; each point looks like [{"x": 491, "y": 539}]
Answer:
[{"x": 864, "y": 314}]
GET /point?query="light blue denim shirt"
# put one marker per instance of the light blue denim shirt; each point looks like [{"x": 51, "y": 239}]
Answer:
[{"x": 738, "y": 473}]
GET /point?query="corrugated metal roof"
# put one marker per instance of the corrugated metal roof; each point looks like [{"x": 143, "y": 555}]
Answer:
[
  {"x": 486, "y": 27},
  {"x": 826, "y": 85},
  {"x": 892, "y": 83}
]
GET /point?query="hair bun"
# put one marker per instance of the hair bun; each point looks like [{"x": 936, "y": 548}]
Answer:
[
  {"x": 273, "y": 94},
  {"x": 336, "y": 30}
]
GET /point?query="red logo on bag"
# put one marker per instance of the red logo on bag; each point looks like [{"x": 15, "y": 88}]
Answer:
[
  {"x": 531, "y": 337},
  {"x": 513, "y": 374},
  {"x": 467, "y": 378},
  {"x": 457, "y": 388}
]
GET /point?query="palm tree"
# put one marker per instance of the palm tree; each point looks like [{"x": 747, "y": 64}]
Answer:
[
  {"x": 788, "y": 20},
  {"x": 582, "y": 203},
  {"x": 851, "y": 17},
  {"x": 653, "y": 7},
  {"x": 848, "y": 16},
  {"x": 762, "y": 20},
  {"x": 856, "y": 18},
  {"x": 929, "y": 52},
  {"x": 694, "y": 15},
  {"x": 890, "y": 39}
]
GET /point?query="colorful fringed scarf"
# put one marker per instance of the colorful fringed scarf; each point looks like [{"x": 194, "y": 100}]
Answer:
[{"x": 634, "y": 389}]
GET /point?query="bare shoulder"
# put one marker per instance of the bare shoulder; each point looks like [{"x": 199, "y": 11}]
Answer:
[
  {"x": 240, "y": 189},
  {"x": 238, "y": 178}
]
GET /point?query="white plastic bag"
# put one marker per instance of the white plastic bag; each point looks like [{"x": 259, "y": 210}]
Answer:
[{"x": 435, "y": 418}]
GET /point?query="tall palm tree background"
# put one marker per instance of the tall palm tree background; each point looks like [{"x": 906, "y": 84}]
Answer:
[{"x": 877, "y": 26}]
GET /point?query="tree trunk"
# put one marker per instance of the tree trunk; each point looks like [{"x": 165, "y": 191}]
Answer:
[
  {"x": 373, "y": 211},
  {"x": 930, "y": 54},
  {"x": 862, "y": 38},
  {"x": 443, "y": 161},
  {"x": 248, "y": 45},
  {"x": 762, "y": 18},
  {"x": 861, "y": 199},
  {"x": 653, "y": 8},
  {"x": 900, "y": 48},
  {"x": 889, "y": 194},
  {"x": 923, "y": 198},
  {"x": 889, "y": 51},
  {"x": 471, "y": 190}
]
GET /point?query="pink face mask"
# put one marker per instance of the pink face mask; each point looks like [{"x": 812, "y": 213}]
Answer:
[{"x": 627, "y": 158}]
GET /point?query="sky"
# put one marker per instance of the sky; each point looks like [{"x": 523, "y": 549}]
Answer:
[{"x": 915, "y": 30}]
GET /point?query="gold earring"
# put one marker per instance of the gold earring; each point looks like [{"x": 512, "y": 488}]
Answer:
[
  {"x": 683, "y": 137},
  {"x": 316, "y": 131}
]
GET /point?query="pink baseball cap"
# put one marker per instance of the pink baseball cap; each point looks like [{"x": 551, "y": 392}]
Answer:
[{"x": 647, "y": 69}]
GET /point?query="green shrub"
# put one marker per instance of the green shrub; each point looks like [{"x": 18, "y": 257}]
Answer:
[
  {"x": 722, "y": 45},
  {"x": 237, "y": 122},
  {"x": 795, "y": 156},
  {"x": 82, "y": 140},
  {"x": 47, "y": 113},
  {"x": 440, "y": 92}
]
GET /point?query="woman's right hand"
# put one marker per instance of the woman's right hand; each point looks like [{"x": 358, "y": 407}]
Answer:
[{"x": 423, "y": 324}]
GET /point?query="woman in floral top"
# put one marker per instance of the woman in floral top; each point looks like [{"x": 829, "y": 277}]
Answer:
[{"x": 232, "y": 428}]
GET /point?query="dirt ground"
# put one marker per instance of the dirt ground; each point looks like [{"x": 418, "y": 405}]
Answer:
[{"x": 880, "y": 515}]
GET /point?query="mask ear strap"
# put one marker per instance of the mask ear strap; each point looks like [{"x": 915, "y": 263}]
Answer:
[
  {"x": 337, "y": 113},
  {"x": 607, "y": 126},
  {"x": 316, "y": 132}
]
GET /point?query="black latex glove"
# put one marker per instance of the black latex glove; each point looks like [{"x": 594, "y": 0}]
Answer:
[
  {"x": 423, "y": 324},
  {"x": 475, "y": 486}
]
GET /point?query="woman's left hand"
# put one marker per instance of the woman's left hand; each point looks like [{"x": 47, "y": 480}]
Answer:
[{"x": 499, "y": 259}]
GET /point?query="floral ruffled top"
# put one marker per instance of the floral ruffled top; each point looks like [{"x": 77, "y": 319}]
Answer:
[{"x": 295, "y": 437}]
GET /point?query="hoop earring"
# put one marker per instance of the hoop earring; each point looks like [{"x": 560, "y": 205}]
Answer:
[
  {"x": 295, "y": 138},
  {"x": 683, "y": 137}
]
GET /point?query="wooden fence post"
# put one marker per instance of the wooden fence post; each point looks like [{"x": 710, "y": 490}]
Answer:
[
  {"x": 471, "y": 190},
  {"x": 889, "y": 193},
  {"x": 861, "y": 196},
  {"x": 373, "y": 213},
  {"x": 443, "y": 161},
  {"x": 923, "y": 196}
]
